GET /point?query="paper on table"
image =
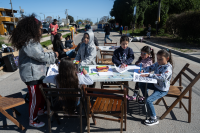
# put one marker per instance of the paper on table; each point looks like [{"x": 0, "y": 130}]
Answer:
[
  {"x": 133, "y": 67},
  {"x": 138, "y": 78},
  {"x": 110, "y": 71},
  {"x": 120, "y": 70},
  {"x": 53, "y": 70}
]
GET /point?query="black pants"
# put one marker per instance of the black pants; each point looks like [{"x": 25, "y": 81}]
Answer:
[{"x": 120, "y": 32}]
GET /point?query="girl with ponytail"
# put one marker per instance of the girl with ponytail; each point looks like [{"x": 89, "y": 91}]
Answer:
[
  {"x": 147, "y": 58},
  {"x": 163, "y": 74}
]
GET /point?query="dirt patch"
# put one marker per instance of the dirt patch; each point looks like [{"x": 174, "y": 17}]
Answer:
[{"x": 175, "y": 44}]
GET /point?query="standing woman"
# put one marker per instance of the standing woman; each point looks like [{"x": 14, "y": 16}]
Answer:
[{"x": 32, "y": 63}]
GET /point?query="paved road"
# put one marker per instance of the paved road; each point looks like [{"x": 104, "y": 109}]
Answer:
[{"x": 175, "y": 122}]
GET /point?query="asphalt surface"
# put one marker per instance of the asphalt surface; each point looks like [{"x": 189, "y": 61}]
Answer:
[{"x": 175, "y": 122}]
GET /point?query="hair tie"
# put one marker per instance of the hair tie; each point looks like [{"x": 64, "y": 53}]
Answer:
[
  {"x": 36, "y": 20},
  {"x": 151, "y": 49}
]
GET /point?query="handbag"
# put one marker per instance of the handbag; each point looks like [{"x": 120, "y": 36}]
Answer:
[{"x": 52, "y": 29}]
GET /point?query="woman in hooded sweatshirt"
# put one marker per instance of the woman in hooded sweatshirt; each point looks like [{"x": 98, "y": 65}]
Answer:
[{"x": 87, "y": 51}]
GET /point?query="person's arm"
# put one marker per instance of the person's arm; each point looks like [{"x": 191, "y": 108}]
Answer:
[
  {"x": 85, "y": 79},
  {"x": 36, "y": 52},
  {"x": 115, "y": 58},
  {"x": 130, "y": 57},
  {"x": 50, "y": 79},
  {"x": 92, "y": 54},
  {"x": 151, "y": 68},
  {"x": 96, "y": 41},
  {"x": 78, "y": 56},
  {"x": 164, "y": 77}
]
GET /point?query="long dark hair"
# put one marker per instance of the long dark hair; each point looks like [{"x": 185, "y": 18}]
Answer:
[
  {"x": 67, "y": 78},
  {"x": 149, "y": 51},
  {"x": 57, "y": 41},
  {"x": 27, "y": 29},
  {"x": 166, "y": 53}
]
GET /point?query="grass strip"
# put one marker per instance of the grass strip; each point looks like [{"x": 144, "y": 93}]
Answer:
[{"x": 48, "y": 42}]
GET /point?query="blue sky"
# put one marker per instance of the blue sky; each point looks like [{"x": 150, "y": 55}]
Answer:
[{"x": 92, "y": 9}]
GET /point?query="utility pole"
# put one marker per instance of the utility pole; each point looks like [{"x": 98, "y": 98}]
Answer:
[
  {"x": 158, "y": 16},
  {"x": 12, "y": 13},
  {"x": 66, "y": 15}
]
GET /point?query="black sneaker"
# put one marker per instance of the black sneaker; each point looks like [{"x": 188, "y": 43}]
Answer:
[
  {"x": 151, "y": 122},
  {"x": 141, "y": 100}
]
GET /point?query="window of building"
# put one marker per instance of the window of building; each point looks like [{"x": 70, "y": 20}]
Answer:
[{"x": 3, "y": 13}]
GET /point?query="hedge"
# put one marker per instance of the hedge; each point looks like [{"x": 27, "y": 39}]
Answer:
[{"x": 186, "y": 25}]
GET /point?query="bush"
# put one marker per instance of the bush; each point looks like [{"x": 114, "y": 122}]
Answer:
[{"x": 186, "y": 25}]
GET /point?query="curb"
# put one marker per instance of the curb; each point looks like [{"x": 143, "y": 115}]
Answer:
[{"x": 191, "y": 57}]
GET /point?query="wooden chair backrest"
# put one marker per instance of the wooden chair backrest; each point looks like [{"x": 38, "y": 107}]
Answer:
[
  {"x": 192, "y": 81},
  {"x": 104, "y": 57},
  {"x": 46, "y": 92},
  {"x": 87, "y": 92},
  {"x": 110, "y": 44}
]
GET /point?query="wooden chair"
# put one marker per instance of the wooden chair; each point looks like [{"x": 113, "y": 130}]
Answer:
[
  {"x": 179, "y": 93},
  {"x": 104, "y": 58},
  {"x": 106, "y": 104},
  {"x": 110, "y": 44},
  {"x": 10, "y": 102},
  {"x": 53, "y": 92}
]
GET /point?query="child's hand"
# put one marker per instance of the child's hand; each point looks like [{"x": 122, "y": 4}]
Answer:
[
  {"x": 141, "y": 71},
  {"x": 84, "y": 71},
  {"x": 144, "y": 75}
]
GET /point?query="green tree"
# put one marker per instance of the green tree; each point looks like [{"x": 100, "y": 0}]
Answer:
[
  {"x": 71, "y": 18},
  {"x": 77, "y": 21}
]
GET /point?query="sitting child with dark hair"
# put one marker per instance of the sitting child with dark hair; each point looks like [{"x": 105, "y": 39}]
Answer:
[
  {"x": 68, "y": 42},
  {"x": 123, "y": 55}
]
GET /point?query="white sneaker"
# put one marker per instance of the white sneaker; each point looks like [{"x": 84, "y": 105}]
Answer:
[
  {"x": 36, "y": 123},
  {"x": 151, "y": 122}
]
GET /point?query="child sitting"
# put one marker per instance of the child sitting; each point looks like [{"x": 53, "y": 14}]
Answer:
[
  {"x": 58, "y": 46},
  {"x": 147, "y": 58},
  {"x": 87, "y": 51},
  {"x": 123, "y": 55},
  {"x": 163, "y": 73},
  {"x": 68, "y": 78},
  {"x": 68, "y": 42}
]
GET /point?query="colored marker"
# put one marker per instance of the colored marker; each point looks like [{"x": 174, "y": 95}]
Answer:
[{"x": 140, "y": 67}]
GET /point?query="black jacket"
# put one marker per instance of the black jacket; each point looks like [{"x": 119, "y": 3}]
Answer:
[
  {"x": 68, "y": 43},
  {"x": 107, "y": 30},
  {"x": 123, "y": 56},
  {"x": 59, "y": 49}
]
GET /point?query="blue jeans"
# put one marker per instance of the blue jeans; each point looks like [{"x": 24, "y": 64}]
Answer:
[
  {"x": 71, "y": 53},
  {"x": 107, "y": 36},
  {"x": 157, "y": 94}
]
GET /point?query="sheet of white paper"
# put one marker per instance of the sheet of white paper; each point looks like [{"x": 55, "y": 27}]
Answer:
[
  {"x": 138, "y": 78},
  {"x": 133, "y": 67},
  {"x": 121, "y": 70},
  {"x": 53, "y": 70}
]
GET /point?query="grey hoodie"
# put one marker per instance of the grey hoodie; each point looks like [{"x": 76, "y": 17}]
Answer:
[
  {"x": 32, "y": 62},
  {"x": 87, "y": 52}
]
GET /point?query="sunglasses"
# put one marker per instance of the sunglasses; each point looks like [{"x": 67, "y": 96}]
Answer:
[{"x": 142, "y": 53}]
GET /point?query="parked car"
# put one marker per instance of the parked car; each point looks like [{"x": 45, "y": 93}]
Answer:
[{"x": 45, "y": 26}]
